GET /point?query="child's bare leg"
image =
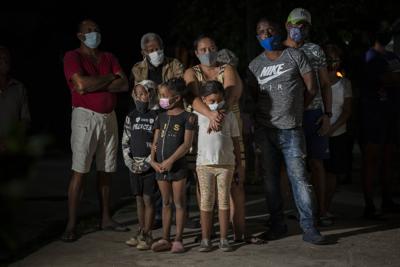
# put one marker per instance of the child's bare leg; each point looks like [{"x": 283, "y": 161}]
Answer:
[
  {"x": 206, "y": 223},
  {"x": 148, "y": 213},
  {"x": 178, "y": 188},
  {"x": 166, "y": 192},
  {"x": 140, "y": 211}
]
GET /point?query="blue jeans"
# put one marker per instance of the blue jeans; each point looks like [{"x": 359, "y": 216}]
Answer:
[{"x": 289, "y": 145}]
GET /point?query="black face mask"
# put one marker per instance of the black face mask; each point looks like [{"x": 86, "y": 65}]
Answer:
[{"x": 142, "y": 106}]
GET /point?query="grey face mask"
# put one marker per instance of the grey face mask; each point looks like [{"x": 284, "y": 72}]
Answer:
[{"x": 209, "y": 58}]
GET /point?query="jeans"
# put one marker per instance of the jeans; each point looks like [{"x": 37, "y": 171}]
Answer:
[{"x": 289, "y": 145}]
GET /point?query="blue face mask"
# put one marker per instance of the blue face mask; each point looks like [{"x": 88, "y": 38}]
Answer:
[
  {"x": 271, "y": 43},
  {"x": 296, "y": 34},
  {"x": 92, "y": 39}
]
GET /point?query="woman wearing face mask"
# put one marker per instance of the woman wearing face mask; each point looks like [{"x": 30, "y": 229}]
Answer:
[{"x": 210, "y": 69}]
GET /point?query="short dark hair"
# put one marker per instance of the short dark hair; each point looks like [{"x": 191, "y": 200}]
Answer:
[
  {"x": 272, "y": 22},
  {"x": 176, "y": 85},
  {"x": 80, "y": 24},
  {"x": 201, "y": 37},
  {"x": 212, "y": 87}
]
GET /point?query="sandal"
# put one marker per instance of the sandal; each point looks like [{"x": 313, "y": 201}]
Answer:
[
  {"x": 177, "y": 247},
  {"x": 69, "y": 236},
  {"x": 161, "y": 245}
]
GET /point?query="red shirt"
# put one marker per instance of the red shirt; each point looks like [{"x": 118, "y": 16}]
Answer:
[{"x": 99, "y": 101}]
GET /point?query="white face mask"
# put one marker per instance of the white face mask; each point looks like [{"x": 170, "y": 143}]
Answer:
[
  {"x": 156, "y": 58},
  {"x": 216, "y": 106},
  {"x": 209, "y": 58},
  {"x": 92, "y": 39}
]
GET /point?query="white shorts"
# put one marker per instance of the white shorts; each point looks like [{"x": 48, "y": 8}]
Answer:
[{"x": 93, "y": 134}]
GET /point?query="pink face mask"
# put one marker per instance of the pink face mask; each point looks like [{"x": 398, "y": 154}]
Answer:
[{"x": 166, "y": 103}]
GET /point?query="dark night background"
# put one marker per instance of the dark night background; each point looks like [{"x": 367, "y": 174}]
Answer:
[{"x": 39, "y": 37}]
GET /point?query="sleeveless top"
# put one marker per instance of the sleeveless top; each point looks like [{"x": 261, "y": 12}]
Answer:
[{"x": 220, "y": 77}]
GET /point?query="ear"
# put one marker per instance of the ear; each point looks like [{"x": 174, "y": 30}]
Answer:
[
  {"x": 80, "y": 36},
  {"x": 287, "y": 25},
  {"x": 144, "y": 54}
]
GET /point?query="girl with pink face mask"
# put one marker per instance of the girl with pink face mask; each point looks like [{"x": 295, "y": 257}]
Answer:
[{"x": 173, "y": 138}]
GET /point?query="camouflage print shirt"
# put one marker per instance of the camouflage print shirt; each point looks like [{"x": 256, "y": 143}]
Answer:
[{"x": 317, "y": 59}]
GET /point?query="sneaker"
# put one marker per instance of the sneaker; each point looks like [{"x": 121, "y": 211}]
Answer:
[
  {"x": 146, "y": 243},
  {"x": 205, "y": 245},
  {"x": 313, "y": 236},
  {"x": 134, "y": 241},
  {"x": 198, "y": 237},
  {"x": 224, "y": 245},
  {"x": 275, "y": 232}
]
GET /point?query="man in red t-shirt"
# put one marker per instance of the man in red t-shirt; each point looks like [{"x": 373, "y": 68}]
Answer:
[{"x": 94, "y": 77}]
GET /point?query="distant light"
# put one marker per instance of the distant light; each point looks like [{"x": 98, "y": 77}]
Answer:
[{"x": 339, "y": 74}]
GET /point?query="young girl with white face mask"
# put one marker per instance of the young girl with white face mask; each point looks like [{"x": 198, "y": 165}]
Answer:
[{"x": 218, "y": 158}]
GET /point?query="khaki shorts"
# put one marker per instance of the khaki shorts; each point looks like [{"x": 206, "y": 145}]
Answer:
[{"x": 93, "y": 134}]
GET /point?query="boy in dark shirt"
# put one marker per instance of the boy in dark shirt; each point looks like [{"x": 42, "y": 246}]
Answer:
[{"x": 136, "y": 145}]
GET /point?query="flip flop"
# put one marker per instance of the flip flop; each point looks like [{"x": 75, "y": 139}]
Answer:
[
  {"x": 177, "y": 247},
  {"x": 69, "y": 236},
  {"x": 161, "y": 245},
  {"x": 115, "y": 228}
]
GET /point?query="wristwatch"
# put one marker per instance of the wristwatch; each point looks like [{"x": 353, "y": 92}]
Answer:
[{"x": 329, "y": 114}]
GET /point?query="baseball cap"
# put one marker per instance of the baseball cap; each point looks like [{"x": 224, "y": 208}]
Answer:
[{"x": 299, "y": 14}]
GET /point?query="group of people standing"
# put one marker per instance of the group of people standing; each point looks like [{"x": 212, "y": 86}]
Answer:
[{"x": 302, "y": 107}]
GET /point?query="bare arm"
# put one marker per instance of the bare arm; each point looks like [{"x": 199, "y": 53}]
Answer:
[
  {"x": 153, "y": 162},
  {"x": 182, "y": 150},
  {"x": 326, "y": 93},
  {"x": 326, "y": 89},
  {"x": 118, "y": 85},
  {"x": 343, "y": 118},
  {"x": 198, "y": 105},
  {"x": 233, "y": 85},
  {"x": 86, "y": 84},
  {"x": 309, "y": 81}
]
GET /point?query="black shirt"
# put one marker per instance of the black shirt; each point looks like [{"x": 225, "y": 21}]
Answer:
[
  {"x": 172, "y": 134},
  {"x": 155, "y": 74},
  {"x": 139, "y": 129}
]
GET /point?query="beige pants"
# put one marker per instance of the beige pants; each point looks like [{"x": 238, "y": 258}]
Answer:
[
  {"x": 211, "y": 177},
  {"x": 93, "y": 134}
]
